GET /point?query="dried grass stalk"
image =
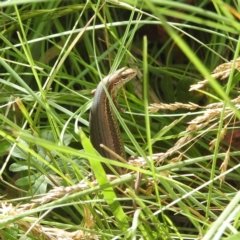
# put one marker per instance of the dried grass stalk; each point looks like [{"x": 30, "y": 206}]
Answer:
[{"x": 220, "y": 72}]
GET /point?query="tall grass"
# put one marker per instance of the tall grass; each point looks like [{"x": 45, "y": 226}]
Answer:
[{"x": 184, "y": 143}]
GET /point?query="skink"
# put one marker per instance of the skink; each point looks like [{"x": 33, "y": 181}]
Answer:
[{"x": 104, "y": 127}]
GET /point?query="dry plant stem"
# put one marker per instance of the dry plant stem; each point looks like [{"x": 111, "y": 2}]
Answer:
[
  {"x": 196, "y": 125},
  {"x": 154, "y": 107},
  {"x": 49, "y": 233},
  {"x": 212, "y": 113},
  {"x": 222, "y": 71}
]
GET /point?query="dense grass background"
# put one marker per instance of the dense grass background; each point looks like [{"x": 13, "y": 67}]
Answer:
[{"x": 54, "y": 53}]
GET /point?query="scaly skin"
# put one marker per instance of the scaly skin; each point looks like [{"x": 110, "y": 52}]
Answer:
[{"x": 104, "y": 127}]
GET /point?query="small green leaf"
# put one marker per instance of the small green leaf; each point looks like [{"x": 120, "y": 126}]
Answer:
[
  {"x": 38, "y": 181},
  {"x": 20, "y": 166}
]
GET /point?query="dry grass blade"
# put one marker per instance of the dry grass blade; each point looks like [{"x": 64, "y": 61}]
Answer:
[
  {"x": 211, "y": 114},
  {"x": 220, "y": 72},
  {"x": 191, "y": 132},
  {"x": 224, "y": 166},
  {"x": 174, "y": 106},
  {"x": 46, "y": 232}
]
